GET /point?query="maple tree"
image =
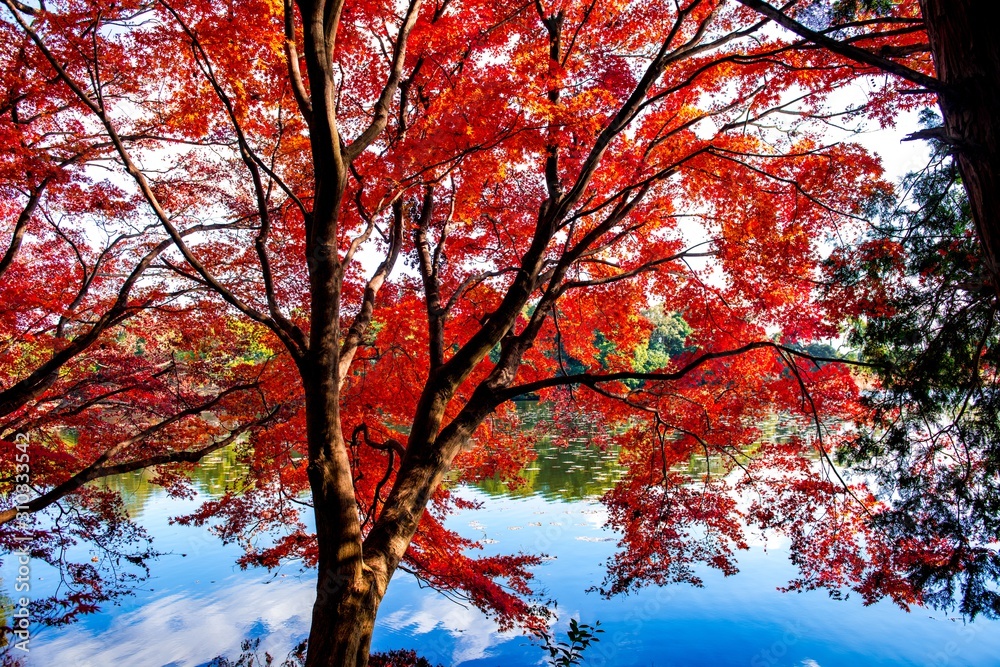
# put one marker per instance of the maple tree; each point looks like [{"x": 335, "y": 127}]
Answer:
[{"x": 373, "y": 225}]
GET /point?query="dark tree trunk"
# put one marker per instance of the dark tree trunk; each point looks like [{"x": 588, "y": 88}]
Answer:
[
  {"x": 347, "y": 591},
  {"x": 967, "y": 57},
  {"x": 343, "y": 619}
]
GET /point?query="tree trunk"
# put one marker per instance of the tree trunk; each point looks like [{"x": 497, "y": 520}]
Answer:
[
  {"x": 343, "y": 619},
  {"x": 347, "y": 594},
  {"x": 967, "y": 57}
]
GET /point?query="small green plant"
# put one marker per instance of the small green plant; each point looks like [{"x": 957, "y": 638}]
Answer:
[{"x": 580, "y": 636}]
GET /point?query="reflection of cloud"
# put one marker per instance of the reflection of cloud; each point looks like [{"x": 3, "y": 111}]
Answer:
[
  {"x": 768, "y": 541},
  {"x": 211, "y": 625},
  {"x": 594, "y": 515},
  {"x": 474, "y": 634}
]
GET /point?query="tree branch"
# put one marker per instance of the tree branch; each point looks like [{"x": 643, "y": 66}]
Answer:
[
  {"x": 846, "y": 50},
  {"x": 21, "y": 226},
  {"x": 594, "y": 379},
  {"x": 378, "y": 123},
  {"x": 97, "y": 471}
]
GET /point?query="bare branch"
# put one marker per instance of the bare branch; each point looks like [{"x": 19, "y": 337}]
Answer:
[{"x": 292, "y": 58}]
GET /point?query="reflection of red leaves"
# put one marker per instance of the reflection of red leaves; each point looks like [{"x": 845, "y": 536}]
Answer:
[
  {"x": 95, "y": 519},
  {"x": 498, "y": 585},
  {"x": 667, "y": 530},
  {"x": 504, "y": 448}
]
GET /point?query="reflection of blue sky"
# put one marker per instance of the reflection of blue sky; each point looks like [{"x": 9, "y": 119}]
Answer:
[
  {"x": 199, "y": 605},
  {"x": 472, "y": 634},
  {"x": 188, "y": 629}
]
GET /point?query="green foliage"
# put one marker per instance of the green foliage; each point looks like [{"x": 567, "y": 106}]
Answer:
[
  {"x": 934, "y": 444},
  {"x": 605, "y": 348},
  {"x": 826, "y": 14},
  {"x": 580, "y": 636},
  {"x": 258, "y": 348},
  {"x": 847, "y": 10},
  {"x": 815, "y": 349},
  {"x": 667, "y": 340}
]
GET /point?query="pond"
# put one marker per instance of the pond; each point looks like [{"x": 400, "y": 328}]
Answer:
[{"x": 197, "y": 604}]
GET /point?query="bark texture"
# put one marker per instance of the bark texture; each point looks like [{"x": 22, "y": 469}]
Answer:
[{"x": 343, "y": 619}]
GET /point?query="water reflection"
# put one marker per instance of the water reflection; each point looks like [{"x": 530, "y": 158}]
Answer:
[
  {"x": 217, "y": 473},
  {"x": 441, "y": 627},
  {"x": 197, "y": 605},
  {"x": 561, "y": 472},
  {"x": 572, "y": 463},
  {"x": 188, "y": 627}
]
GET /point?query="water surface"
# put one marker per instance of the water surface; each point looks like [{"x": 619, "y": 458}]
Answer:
[{"x": 197, "y": 604}]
